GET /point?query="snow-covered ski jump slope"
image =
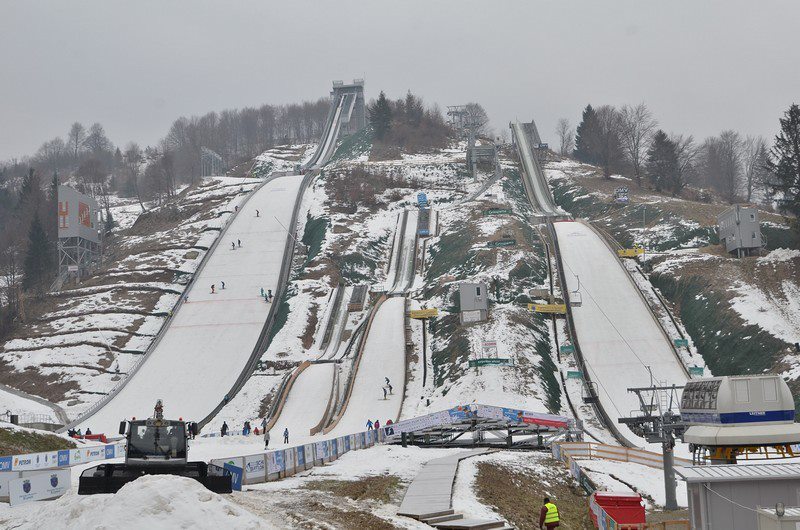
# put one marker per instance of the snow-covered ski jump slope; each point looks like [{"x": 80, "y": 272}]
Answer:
[
  {"x": 542, "y": 200},
  {"x": 210, "y": 339},
  {"x": 618, "y": 334},
  {"x": 384, "y": 356},
  {"x": 620, "y": 340}
]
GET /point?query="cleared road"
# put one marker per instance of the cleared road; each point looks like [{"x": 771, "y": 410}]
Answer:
[
  {"x": 210, "y": 338},
  {"x": 619, "y": 338}
]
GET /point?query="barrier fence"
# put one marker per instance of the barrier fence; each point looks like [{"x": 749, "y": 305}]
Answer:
[
  {"x": 569, "y": 453},
  {"x": 282, "y": 463},
  {"x": 46, "y": 475}
]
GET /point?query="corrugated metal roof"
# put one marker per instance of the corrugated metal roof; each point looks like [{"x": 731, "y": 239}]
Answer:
[{"x": 730, "y": 473}]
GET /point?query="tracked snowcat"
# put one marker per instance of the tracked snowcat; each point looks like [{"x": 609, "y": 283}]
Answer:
[{"x": 155, "y": 446}]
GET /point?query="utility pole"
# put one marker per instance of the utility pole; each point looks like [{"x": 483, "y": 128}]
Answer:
[{"x": 660, "y": 422}]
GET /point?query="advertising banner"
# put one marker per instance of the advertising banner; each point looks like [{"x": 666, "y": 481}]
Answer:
[
  {"x": 255, "y": 468},
  {"x": 280, "y": 460},
  {"x": 272, "y": 464},
  {"x": 5, "y": 463},
  {"x": 236, "y": 476},
  {"x": 320, "y": 450},
  {"x": 34, "y": 461},
  {"x": 48, "y": 485},
  {"x": 301, "y": 456}
]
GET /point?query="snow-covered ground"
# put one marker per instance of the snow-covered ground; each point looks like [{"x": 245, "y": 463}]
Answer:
[
  {"x": 155, "y": 502},
  {"x": 212, "y": 335},
  {"x": 11, "y": 402}
]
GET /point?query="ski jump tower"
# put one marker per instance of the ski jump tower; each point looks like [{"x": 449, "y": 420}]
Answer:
[
  {"x": 79, "y": 234},
  {"x": 354, "y": 115}
]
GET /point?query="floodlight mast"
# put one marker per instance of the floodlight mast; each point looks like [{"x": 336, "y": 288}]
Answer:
[{"x": 658, "y": 422}]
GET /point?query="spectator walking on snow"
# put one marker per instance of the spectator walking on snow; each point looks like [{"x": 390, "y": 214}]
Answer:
[
  {"x": 213, "y": 289},
  {"x": 262, "y": 292},
  {"x": 286, "y": 435},
  {"x": 233, "y": 245},
  {"x": 377, "y": 425},
  {"x": 390, "y": 388},
  {"x": 269, "y": 294},
  {"x": 266, "y": 439},
  {"x": 369, "y": 425},
  {"x": 224, "y": 430},
  {"x": 240, "y": 242},
  {"x": 223, "y": 284},
  {"x": 264, "y": 425},
  {"x": 258, "y": 214},
  {"x": 384, "y": 392}
]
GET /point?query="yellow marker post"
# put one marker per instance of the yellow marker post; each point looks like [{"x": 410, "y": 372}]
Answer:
[
  {"x": 560, "y": 309},
  {"x": 630, "y": 252},
  {"x": 424, "y": 313}
]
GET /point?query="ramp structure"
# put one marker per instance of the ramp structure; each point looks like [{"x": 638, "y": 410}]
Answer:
[{"x": 208, "y": 347}]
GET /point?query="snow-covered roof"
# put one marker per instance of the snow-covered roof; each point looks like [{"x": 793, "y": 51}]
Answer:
[{"x": 736, "y": 473}]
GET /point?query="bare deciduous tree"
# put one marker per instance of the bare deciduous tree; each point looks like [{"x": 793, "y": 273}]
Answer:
[
  {"x": 687, "y": 150},
  {"x": 566, "y": 137},
  {"x": 636, "y": 128},
  {"x": 75, "y": 138},
  {"x": 754, "y": 158}
]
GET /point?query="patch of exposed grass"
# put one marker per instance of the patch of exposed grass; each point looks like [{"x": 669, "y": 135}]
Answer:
[
  {"x": 379, "y": 487},
  {"x": 517, "y": 493},
  {"x": 14, "y": 442}
]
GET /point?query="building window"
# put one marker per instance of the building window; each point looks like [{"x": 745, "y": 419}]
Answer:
[
  {"x": 770, "y": 390},
  {"x": 741, "y": 390},
  {"x": 477, "y": 291},
  {"x": 752, "y": 217},
  {"x": 754, "y": 235}
]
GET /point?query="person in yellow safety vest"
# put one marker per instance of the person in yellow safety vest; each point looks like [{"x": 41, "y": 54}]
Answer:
[{"x": 548, "y": 515}]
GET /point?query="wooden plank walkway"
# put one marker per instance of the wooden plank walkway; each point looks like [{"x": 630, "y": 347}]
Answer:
[{"x": 429, "y": 497}]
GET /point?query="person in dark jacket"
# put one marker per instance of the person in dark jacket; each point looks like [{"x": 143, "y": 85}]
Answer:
[
  {"x": 286, "y": 435},
  {"x": 224, "y": 430},
  {"x": 548, "y": 515}
]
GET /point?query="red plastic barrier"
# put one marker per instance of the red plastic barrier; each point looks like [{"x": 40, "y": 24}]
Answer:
[
  {"x": 626, "y": 508},
  {"x": 95, "y": 437}
]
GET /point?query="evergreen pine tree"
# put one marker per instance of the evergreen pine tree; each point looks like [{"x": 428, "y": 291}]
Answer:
[
  {"x": 662, "y": 164},
  {"x": 380, "y": 116},
  {"x": 586, "y": 137},
  {"x": 784, "y": 162},
  {"x": 39, "y": 258}
]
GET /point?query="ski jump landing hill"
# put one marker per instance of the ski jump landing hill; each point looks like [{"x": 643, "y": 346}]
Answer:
[
  {"x": 208, "y": 348},
  {"x": 619, "y": 342}
]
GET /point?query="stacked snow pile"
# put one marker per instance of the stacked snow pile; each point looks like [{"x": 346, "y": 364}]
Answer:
[
  {"x": 780, "y": 254},
  {"x": 153, "y": 502}
]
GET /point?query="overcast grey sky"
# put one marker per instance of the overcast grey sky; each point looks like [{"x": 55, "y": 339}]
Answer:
[{"x": 135, "y": 66}]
